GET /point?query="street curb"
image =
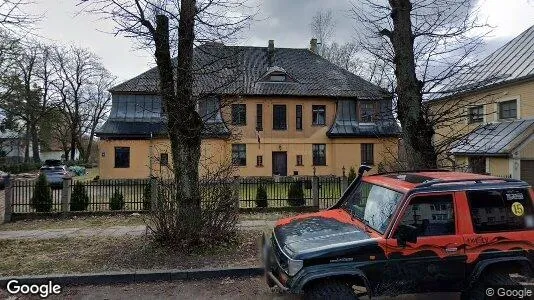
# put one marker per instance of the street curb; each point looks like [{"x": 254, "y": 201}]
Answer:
[{"x": 132, "y": 277}]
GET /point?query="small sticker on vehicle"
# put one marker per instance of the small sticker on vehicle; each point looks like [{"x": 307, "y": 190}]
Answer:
[
  {"x": 515, "y": 196},
  {"x": 518, "y": 209}
]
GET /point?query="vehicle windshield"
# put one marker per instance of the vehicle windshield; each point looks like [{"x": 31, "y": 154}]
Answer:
[{"x": 372, "y": 204}]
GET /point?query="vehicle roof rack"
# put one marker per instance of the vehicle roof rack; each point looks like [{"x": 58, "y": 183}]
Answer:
[
  {"x": 476, "y": 180},
  {"x": 412, "y": 171}
]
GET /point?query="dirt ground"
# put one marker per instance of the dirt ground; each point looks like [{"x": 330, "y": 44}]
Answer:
[
  {"x": 228, "y": 288},
  {"x": 120, "y": 253}
]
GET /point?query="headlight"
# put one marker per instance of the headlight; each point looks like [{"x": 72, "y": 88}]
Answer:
[{"x": 294, "y": 266}]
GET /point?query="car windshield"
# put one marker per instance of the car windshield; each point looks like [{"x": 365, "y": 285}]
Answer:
[{"x": 372, "y": 204}]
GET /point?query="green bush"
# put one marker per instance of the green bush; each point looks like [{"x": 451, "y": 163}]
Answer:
[
  {"x": 352, "y": 175},
  {"x": 295, "y": 195},
  {"x": 20, "y": 168},
  {"x": 117, "y": 201},
  {"x": 41, "y": 200},
  {"x": 79, "y": 199},
  {"x": 147, "y": 196},
  {"x": 261, "y": 196}
]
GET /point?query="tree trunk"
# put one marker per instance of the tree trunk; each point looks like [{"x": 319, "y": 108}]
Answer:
[
  {"x": 27, "y": 145},
  {"x": 184, "y": 125},
  {"x": 35, "y": 143},
  {"x": 417, "y": 132},
  {"x": 73, "y": 139}
]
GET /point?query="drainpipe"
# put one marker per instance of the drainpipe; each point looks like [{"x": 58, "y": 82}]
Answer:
[{"x": 151, "y": 155}]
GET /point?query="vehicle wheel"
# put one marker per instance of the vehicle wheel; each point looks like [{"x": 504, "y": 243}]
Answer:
[
  {"x": 330, "y": 289},
  {"x": 491, "y": 278}
]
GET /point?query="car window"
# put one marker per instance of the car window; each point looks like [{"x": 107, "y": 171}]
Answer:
[
  {"x": 373, "y": 204},
  {"x": 501, "y": 210},
  {"x": 431, "y": 215}
]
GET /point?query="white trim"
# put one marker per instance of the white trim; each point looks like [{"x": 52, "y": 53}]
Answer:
[
  {"x": 517, "y": 98},
  {"x": 488, "y": 165},
  {"x": 523, "y": 144}
]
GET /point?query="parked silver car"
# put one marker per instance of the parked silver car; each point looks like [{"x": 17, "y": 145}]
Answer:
[{"x": 54, "y": 175}]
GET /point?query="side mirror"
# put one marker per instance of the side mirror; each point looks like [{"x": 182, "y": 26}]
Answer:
[{"x": 406, "y": 234}]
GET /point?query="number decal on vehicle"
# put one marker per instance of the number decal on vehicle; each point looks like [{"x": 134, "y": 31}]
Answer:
[{"x": 518, "y": 209}]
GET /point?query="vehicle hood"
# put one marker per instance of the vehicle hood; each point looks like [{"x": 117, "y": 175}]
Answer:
[{"x": 318, "y": 232}]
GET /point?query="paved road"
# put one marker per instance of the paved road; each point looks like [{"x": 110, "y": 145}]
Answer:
[
  {"x": 239, "y": 288},
  {"x": 108, "y": 231}
]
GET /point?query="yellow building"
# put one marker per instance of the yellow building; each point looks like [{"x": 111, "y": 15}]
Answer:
[
  {"x": 490, "y": 111},
  {"x": 269, "y": 111}
]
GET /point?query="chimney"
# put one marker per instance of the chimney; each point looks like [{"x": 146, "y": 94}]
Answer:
[
  {"x": 270, "y": 53},
  {"x": 313, "y": 45}
]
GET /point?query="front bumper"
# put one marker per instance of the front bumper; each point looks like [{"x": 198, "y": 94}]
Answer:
[{"x": 274, "y": 274}]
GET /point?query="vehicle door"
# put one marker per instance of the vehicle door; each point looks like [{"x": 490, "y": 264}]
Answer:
[{"x": 436, "y": 260}]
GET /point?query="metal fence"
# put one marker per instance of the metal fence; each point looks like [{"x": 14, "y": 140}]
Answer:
[
  {"x": 277, "y": 190},
  {"x": 330, "y": 189},
  {"x": 23, "y": 191},
  {"x": 136, "y": 198},
  {"x": 100, "y": 193}
]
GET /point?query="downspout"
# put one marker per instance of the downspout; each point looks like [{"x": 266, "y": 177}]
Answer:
[{"x": 151, "y": 155}]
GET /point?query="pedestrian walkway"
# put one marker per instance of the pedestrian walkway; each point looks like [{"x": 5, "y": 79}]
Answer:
[{"x": 106, "y": 232}]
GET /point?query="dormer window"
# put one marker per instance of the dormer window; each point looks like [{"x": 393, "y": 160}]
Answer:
[
  {"x": 278, "y": 77},
  {"x": 276, "y": 74}
]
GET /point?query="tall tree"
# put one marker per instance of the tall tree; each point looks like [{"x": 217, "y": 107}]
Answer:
[
  {"x": 170, "y": 27},
  {"x": 96, "y": 108},
  {"x": 425, "y": 43},
  {"x": 75, "y": 68}
]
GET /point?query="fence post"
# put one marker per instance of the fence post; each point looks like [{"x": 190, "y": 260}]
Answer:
[
  {"x": 66, "y": 194},
  {"x": 8, "y": 199},
  {"x": 237, "y": 190},
  {"x": 153, "y": 193},
  {"x": 315, "y": 191}
]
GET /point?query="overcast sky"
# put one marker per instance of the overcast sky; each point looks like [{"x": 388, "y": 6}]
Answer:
[{"x": 287, "y": 22}]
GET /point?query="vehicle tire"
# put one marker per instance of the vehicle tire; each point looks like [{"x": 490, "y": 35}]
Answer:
[
  {"x": 491, "y": 278},
  {"x": 330, "y": 289}
]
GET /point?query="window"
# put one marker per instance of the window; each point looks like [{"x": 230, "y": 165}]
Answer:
[
  {"x": 239, "y": 154},
  {"x": 279, "y": 117},
  {"x": 277, "y": 77},
  {"x": 477, "y": 164},
  {"x": 319, "y": 154},
  {"x": 259, "y": 161},
  {"x": 318, "y": 114},
  {"x": 476, "y": 114},
  {"x": 164, "y": 159},
  {"x": 427, "y": 221},
  {"x": 372, "y": 203},
  {"x": 508, "y": 110},
  {"x": 299, "y": 160},
  {"x": 208, "y": 108},
  {"x": 367, "y": 112},
  {"x": 368, "y": 154},
  {"x": 259, "y": 117},
  {"x": 501, "y": 210},
  {"x": 122, "y": 157},
  {"x": 298, "y": 117},
  {"x": 239, "y": 114}
]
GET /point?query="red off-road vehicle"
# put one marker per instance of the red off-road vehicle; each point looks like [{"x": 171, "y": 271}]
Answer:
[{"x": 409, "y": 232}]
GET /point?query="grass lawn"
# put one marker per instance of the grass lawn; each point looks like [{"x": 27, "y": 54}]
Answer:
[
  {"x": 75, "y": 222},
  {"x": 99, "y": 254},
  {"x": 90, "y": 174},
  {"x": 116, "y": 220}
]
